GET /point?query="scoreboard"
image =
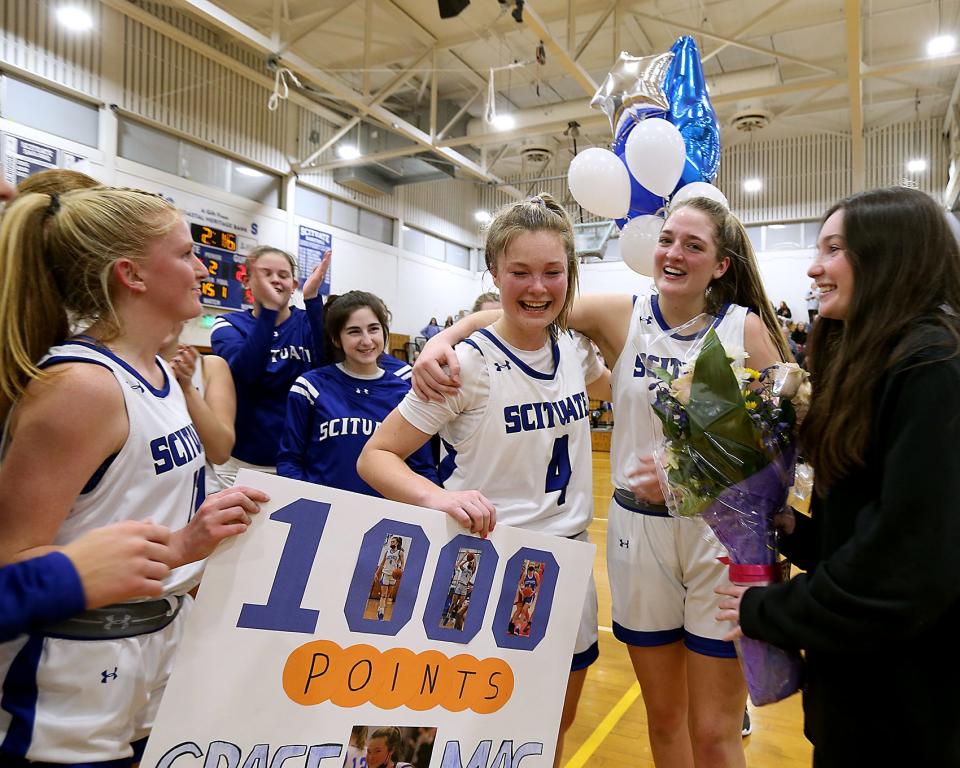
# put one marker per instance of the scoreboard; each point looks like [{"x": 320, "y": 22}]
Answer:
[{"x": 221, "y": 253}]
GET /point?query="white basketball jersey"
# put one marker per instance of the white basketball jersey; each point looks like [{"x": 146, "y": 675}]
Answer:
[
  {"x": 391, "y": 561},
  {"x": 463, "y": 575},
  {"x": 159, "y": 472},
  {"x": 531, "y": 454},
  {"x": 651, "y": 343}
]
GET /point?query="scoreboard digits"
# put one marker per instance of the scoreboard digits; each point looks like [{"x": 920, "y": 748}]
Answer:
[{"x": 218, "y": 250}]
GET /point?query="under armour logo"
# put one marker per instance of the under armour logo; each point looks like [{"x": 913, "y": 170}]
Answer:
[
  {"x": 276, "y": 333},
  {"x": 625, "y": 543},
  {"x": 136, "y": 386},
  {"x": 121, "y": 623},
  {"x": 504, "y": 366},
  {"x": 108, "y": 675},
  {"x": 648, "y": 319},
  {"x": 365, "y": 391}
]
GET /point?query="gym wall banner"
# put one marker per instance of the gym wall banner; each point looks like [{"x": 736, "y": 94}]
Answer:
[{"x": 343, "y": 628}]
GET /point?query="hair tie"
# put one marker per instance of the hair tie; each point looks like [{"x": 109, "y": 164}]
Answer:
[
  {"x": 54, "y": 205},
  {"x": 537, "y": 200}
]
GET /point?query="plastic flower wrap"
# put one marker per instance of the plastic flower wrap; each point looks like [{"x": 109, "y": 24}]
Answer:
[{"x": 728, "y": 457}]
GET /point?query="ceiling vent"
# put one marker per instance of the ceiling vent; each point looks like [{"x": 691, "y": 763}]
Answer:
[
  {"x": 750, "y": 120},
  {"x": 363, "y": 181},
  {"x": 537, "y": 155}
]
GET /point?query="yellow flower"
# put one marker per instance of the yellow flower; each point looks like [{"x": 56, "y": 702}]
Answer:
[{"x": 751, "y": 405}]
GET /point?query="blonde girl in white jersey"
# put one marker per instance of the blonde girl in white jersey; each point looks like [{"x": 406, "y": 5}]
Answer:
[
  {"x": 515, "y": 371},
  {"x": 663, "y": 571},
  {"x": 97, "y": 431}
]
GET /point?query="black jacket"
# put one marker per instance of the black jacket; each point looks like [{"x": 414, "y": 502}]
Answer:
[{"x": 878, "y": 611}]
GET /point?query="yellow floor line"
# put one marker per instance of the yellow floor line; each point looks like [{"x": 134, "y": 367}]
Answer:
[{"x": 601, "y": 732}]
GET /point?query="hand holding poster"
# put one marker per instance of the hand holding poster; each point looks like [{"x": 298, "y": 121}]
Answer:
[{"x": 342, "y": 628}]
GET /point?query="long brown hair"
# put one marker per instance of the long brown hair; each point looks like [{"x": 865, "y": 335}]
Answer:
[
  {"x": 741, "y": 283},
  {"x": 540, "y": 213},
  {"x": 906, "y": 293},
  {"x": 336, "y": 313}
]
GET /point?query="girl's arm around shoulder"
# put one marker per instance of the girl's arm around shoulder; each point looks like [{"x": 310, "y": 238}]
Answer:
[
  {"x": 66, "y": 425},
  {"x": 604, "y": 318}
]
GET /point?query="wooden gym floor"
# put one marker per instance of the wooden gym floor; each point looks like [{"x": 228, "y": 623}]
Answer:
[{"x": 611, "y": 726}]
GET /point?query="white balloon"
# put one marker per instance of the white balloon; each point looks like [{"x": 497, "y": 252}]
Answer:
[
  {"x": 638, "y": 241},
  {"x": 699, "y": 189},
  {"x": 656, "y": 154},
  {"x": 599, "y": 181}
]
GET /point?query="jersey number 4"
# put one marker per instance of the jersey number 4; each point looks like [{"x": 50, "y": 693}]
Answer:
[{"x": 558, "y": 470}]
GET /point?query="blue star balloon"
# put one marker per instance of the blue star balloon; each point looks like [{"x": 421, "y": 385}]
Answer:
[{"x": 692, "y": 112}]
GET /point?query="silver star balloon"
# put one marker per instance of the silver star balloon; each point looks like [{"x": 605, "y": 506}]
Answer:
[{"x": 633, "y": 81}]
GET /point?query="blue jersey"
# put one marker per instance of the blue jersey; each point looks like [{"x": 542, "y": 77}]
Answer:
[
  {"x": 265, "y": 359},
  {"x": 36, "y": 591},
  {"x": 330, "y": 417},
  {"x": 396, "y": 366}
]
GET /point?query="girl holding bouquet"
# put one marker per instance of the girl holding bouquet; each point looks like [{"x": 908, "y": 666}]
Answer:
[
  {"x": 526, "y": 357},
  {"x": 878, "y": 610},
  {"x": 662, "y": 570}
]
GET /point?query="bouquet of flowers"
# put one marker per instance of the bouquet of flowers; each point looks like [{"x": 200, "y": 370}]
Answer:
[{"x": 728, "y": 457}]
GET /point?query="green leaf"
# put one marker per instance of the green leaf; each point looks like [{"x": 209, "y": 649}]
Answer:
[{"x": 720, "y": 427}]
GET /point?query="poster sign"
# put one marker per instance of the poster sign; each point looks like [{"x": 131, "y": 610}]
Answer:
[
  {"x": 23, "y": 158},
  {"x": 343, "y": 630},
  {"x": 312, "y": 244}
]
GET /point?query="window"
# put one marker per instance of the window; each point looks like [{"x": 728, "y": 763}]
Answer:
[
  {"x": 434, "y": 247},
  {"x": 345, "y": 215},
  {"x": 376, "y": 227},
  {"x": 149, "y": 146},
  {"x": 312, "y": 204},
  {"x": 50, "y": 111}
]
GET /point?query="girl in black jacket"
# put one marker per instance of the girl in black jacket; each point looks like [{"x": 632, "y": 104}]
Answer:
[{"x": 878, "y": 610}]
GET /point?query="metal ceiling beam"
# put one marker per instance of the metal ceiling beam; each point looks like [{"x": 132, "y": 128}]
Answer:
[
  {"x": 730, "y": 41},
  {"x": 384, "y": 93},
  {"x": 150, "y": 21},
  {"x": 304, "y": 29},
  {"x": 533, "y": 21},
  {"x": 215, "y": 15},
  {"x": 746, "y": 28},
  {"x": 855, "y": 84},
  {"x": 597, "y": 25}
]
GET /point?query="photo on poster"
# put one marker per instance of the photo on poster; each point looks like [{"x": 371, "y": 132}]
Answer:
[
  {"x": 377, "y": 746},
  {"x": 525, "y": 602},
  {"x": 459, "y": 592},
  {"x": 386, "y": 578}
]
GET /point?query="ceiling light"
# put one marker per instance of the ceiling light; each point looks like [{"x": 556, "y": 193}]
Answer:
[
  {"x": 75, "y": 19},
  {"x": 504, "y": 122},
  {"x": 348, "y": 152},
  {"x": 244, "y": 170},
  {"x": 483, "y": 217},
  {"x": 777, "y": 226},
  {"x": 752, "y": 185},
  {"x": 941, "y": 45},
  {"x": 917, "y": 165}
]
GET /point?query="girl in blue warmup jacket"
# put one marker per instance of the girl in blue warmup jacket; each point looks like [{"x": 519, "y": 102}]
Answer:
[
  {"x": 267, "y": 348},
  {"x": 333, "y": 411}
]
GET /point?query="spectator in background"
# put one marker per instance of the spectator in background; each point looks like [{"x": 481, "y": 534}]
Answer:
[
  {"x": 813, "y": 302},
  {"x": 799, "y": 334},
  {"x": 488, "y": 300},
  {"x": 431, "y": 329},
  {"x": 784, "y": 313},
  {"x": 448, "y": 322}
]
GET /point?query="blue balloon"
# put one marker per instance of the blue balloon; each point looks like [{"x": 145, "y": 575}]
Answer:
[{"x": 692, "y": 113}]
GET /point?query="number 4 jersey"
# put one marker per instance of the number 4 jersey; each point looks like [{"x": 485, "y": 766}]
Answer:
[{"x": 519, "y": 430}]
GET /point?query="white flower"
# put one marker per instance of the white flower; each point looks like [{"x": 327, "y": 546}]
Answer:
[{"x": 680, "y": 387}]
